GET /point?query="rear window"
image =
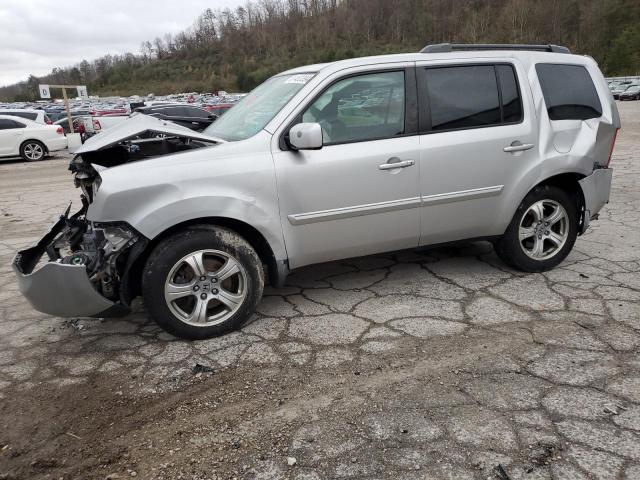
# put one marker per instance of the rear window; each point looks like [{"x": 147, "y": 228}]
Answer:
[
  {"x": 193, "y": 112},
  {"x": 569, "y": 92}
]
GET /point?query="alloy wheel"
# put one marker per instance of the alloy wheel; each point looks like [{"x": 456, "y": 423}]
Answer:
[
  {"x": 543, "y": 229},
  {"x": 205, "y": 288},
  {"x": 33, "y": 151}
]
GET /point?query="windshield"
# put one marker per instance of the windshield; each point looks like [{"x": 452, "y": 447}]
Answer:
[{"x": 257, "y": 109}]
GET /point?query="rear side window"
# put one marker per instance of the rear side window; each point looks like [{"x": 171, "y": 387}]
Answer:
[
  {"x": 569, "y": 92},
  {"x": 9, "y": 124},
  {"x": 27, "y": 115},
  {"x": 472, "y": 96},
  {"x": 511, "y": 103}
]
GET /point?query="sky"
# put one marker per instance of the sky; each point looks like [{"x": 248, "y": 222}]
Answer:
[{"x": 37, "y": 35}]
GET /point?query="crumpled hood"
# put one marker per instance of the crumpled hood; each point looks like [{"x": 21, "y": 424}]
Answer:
[{"x": 136, "y": 126}]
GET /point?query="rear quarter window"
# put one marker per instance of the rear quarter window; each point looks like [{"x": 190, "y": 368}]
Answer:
[
  {"x": 27, "y": 115},
  {"x": 569, "y": 92}
]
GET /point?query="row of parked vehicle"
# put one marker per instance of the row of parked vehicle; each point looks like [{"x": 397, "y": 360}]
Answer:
[
  {"x": 625, "y": 89},
  {"x": 34, "y": 133}
]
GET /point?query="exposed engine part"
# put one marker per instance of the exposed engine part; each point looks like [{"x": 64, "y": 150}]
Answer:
[
  {"x": 101, "y": 249},
  {"x": 76, "y": 259}
]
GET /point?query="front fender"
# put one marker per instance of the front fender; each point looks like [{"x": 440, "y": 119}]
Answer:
[
  {"x": 246, "y": 210},
  {"x": 152, "y": 211}
]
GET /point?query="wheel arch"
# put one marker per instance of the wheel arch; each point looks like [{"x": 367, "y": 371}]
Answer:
[
  {"x": 567, "y": 181},
  {"x": 276, "y": 270}
]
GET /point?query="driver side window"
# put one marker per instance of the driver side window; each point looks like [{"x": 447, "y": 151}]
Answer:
[{"x": 360, "y": 108}]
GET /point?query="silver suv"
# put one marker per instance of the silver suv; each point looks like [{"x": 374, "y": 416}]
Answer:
[{"x": 508, "y": 143}]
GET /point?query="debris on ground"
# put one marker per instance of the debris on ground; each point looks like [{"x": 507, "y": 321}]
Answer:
[
  {"x": 199, "y": 368},
  {"x": 501, "y": 473}
]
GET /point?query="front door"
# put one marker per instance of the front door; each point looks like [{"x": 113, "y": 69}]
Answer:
[{"x": 360, "y": 193}]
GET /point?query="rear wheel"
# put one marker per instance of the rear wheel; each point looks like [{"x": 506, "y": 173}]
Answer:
[
  {"x": 542, "y": 231},
  {"x": 32, "y": 151},
  {"x": 202, "y": 282}
]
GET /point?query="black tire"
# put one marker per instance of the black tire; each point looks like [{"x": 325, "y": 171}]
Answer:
[
  {"x": 25, "y": 148},
  {"x": 193, "y": 239},
  {"x": 509, "y": 248}
]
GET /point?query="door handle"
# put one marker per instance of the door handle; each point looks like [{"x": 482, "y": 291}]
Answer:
[
  {"x": 392, "y": 164},
  {"x": 518, "y": 147}
]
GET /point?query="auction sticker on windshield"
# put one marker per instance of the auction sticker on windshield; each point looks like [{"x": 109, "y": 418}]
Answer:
[{"x": 301, "y": 79}]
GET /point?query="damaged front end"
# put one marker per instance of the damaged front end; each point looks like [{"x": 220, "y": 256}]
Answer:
[
  {"x": 79, "y": 268},
  {"x": 84, "y": 268}
]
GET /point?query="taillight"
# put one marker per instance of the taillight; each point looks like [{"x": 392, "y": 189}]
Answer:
[
  {"x": 96, "y": 125},
  {"x": 613, "y": 144},
  {"x": 59, "y": 130}
]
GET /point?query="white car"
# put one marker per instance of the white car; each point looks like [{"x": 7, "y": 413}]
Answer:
[
  {"x": 38, "y": 116},
  {"x": 31, "y": 140}
]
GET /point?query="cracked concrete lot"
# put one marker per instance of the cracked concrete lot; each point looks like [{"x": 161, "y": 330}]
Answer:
[{"x": 432, "y": 364}]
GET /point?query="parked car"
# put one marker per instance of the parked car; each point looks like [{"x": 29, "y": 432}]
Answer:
[
  {"x": 64, "y": 123},
  {"x": 188, "y": 116},
  {"x": 38, "y": 116},
  {"x": 620, "y": 88},
  {"x": 219, "y": 109},
  {"x": 511, "y": 144},
  {"x": 631, "y": 93},
  {"x": 93, "y": 125},
  {"x": 56, "y": 115},
  {"x": 28, "y": 139}
]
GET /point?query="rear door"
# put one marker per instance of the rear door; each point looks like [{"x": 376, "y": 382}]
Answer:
[{"x": 477, "y": 139}]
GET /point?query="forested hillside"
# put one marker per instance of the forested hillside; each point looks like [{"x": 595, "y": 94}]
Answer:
[{"x": 235, "y": 50}]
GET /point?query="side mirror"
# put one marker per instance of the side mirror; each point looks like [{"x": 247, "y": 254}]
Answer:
[{"x": 306, "y": 136}]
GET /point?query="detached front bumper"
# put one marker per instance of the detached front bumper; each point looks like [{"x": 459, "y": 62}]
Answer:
[
  {"x": 596, "y": 189},
  {"x": 59, "y": 289}
]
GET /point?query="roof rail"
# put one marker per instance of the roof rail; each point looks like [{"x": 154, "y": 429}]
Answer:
[{"x": 457, "y": 47}]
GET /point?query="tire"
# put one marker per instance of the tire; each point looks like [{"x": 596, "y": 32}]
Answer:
[
  {"x": 212, "y": 303},
  {"x": 544, "y": 245},
  {"x": 32, "y": 151}
]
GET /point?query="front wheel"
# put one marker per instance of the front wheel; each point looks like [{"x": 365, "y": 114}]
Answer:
[
  {"x": 202, "y": 282},
  {"x": 542, "y": 231}
]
